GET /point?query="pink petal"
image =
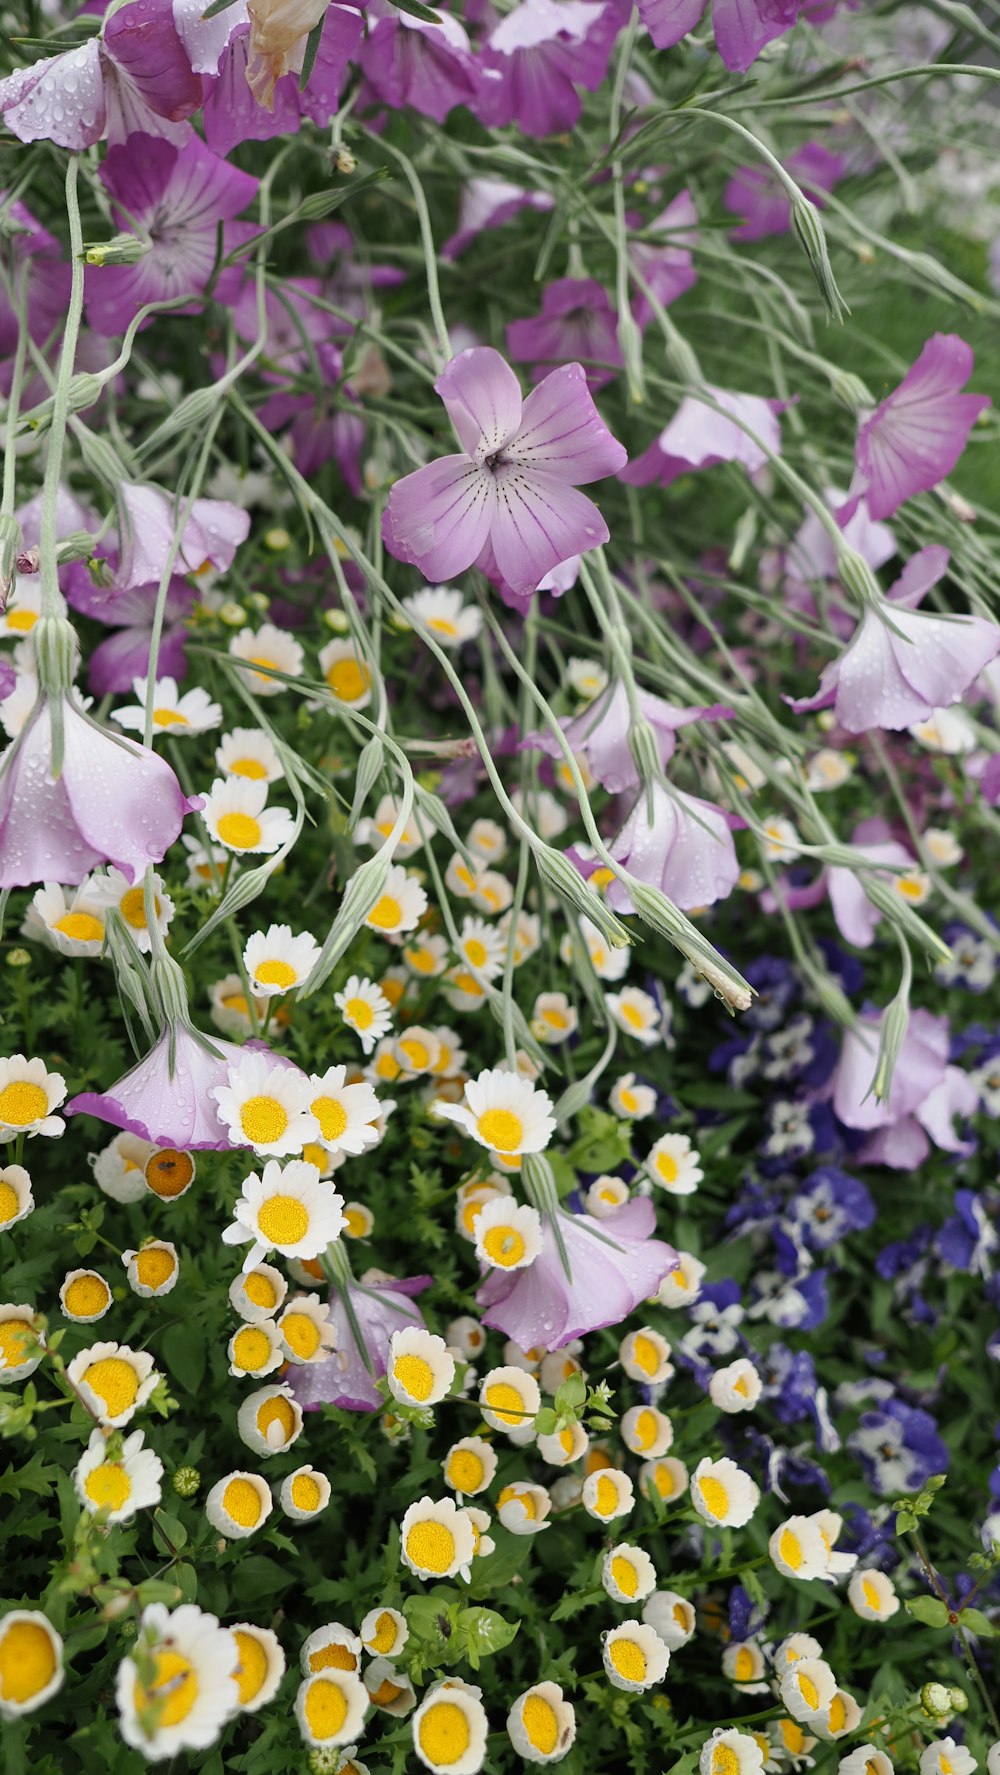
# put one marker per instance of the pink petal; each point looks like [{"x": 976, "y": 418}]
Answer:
[
  {"x": 439, "y": 518},
  {"x": 483, "y": 398},
  {"x": 562, "y": 433},
  {"x": 538, "y": 522}
]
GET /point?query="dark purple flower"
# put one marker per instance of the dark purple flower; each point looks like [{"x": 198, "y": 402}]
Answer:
[
  {"x": 917, "y": 434},
  {"x": 828, "y": 1207},
  {"x": 755, "y": 194},
  {"x": 742, "y": 27},
  {"x": 408, "y": 61},
  {"x": 233, "y": 115},
  {"x": 926, "y": 1093},
  {"x": 538, "y": 55},
  {"x": 577, "y": 325},
  {"x": 898, "y": 1447}
]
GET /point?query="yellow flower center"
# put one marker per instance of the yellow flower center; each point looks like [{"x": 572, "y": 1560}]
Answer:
[
  {"x": 624, "y": 1574},
  {"x": 871, "y": 1595},
  {"x": 115, "y": 1382},
  {"x": 386, "y": 914},
  {"x": 645, "y": 1354},
  {"x": 132, "y": 907},
  {"x": 386, "y": 1693},
  {"x": 725, "y": 1761},
  {"x": 276, "y": 973},
  {"x": 247, "y": 767},
  {"x": 260, "y": 1291},
  {"x": 663, "y": 1479},
  {"x": 476, "y": 952},
  {"x": 808, "y": 1690},
  {"x": 276, "y": 1411},
  {"x": 505, "y": 1402},
  {"x": 646, "y": 1429},
  {"x": 331, "y": 1116},
  {"x": 80, "y": 927},
  {"x": 171, "y": 1694},
  {"x": 504, "y": 1246},
  {"x": 108, "y": 1486},
  {"x": 714, "y": 1496},
  {"x": 359, "y": 1012},
  {"x": 16, "y": 1337},
  {"x": 837, "y": 1720},
  {"x": 168, "y": 1173},
  {"x": 251, "y": 1671},
  {"x": 465, "y": 1470},
  {"x": 22, "y": 1103},
  {"x": 333, "y": 1657},
  {"x": 554, "y": 1019},
  {"x": 241, "y": 1503},
  {"x": 27, "y": 1661},
  {"x": 793, "y": 1737},
  {"x": 431, "y": 1546},
  {"x": 680, "y": 1615},
  {"x": 790, "y": 1548},
  {"x": 422, "y": 961},
  {"x": 251, "y": 1349},
  {"x": 415, "y": 1376},
  {"x": 9, "y": 1204},
  {"x": 283, "y": 1220},
  {"x": 263, "y": 1120},
  {"x": 384, "y": 1637},
  {"x": 417, "y": 1053},
  {"x": 154, "y": 1266},
  {"x": 442, "y": 625},
  {"x": 306, "y": 1494},
  {"x": 235, "y": 1001},
  {"x": 606, "y": 1496},
  {"x": 667, "y": 1167},
  {"x": 541, "y": 1724},
  {"x": 86, "y": 1296},
  {"x": 628, "y": 1659},
  {"x": 357, "y": 1222},
  {"x": 301, "y": 1334},
  {"x": 21, "y": 621},
  {"x": 513, "y": 1494},
  {"x": 631, "y": 1015},
  {"x": 501, "y": 1130},
  {"x": 169, "y": 718},
  {"x": 744, "y": 1665},
  {"x": 349, "y": 680},
  {"x": 444, "y": 1734},
  {"x": 240, "y": 832}
]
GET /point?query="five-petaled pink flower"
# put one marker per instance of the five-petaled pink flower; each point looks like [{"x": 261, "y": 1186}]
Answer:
[
  {"x": 514, "y": 490},
  {"x": 914, "y": 439}
]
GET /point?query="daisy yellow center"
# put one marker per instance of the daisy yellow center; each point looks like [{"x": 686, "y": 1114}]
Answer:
[
  {"x": 741, "y": 1387},
  {"x": 276, "y": 973},
  {"x": 241, "y": 1503},
  {"x": 301, "y": 1334},
  {"x": 115, "y": 1382},
  {"x": 235, "y": 1001},
  {"x": 504, "y": 1246},
  {"x": 465, "y": 1470},
  {"x": 744, "y": 1665},
  {"x": 628, "y": 1659},
  {"x": 663, "y": 1479},
  {"x": 541, "y": 1724},
  {"x": 631, "y": 1015},
  {"x": 283, "y": 1220},
  {"x": 645, "y": 1354},
  {"x": 22, "y": 1103},
  {"x": 838, "y": 1720},
  {"x": 501, "y": 1130},
  {"x": 422, "y": 961},
  {"x": 667, "y": 1167},
  {"x": 16, "y": 1337},
  {"x": 714, "y": 1496},
  {"x": 349, "y": 680},
  {"x": 169, "y": 718},
  {"x": 262, "y": 659},
  {"x": 476, "y": 952},
  {"x": 725, "y": 1761},
  {"x": 442, "y": 625},
  {"x": 260, "y": 1291},
  {"x": 790, "y": 1549},
  {"x": 511, "y": 1495},
  {"x": 80, "y": 927},
  {"x": 415, "y": 1376},
  {"x": 680, "y": 1615},
  {"x": 21, "y": 621},
  {"x": 606, "y": 1496},
  {"x": 871, "y": 1767},
  {"x": 331, "y": 1116},
  {"x": 444, "y": 1734},
  {"x": 808, "y": 1690},
  {"x": 566, "y": 1442},
  {"x": 306, "y": 1494},
  {"x": 505, "y": 1402},
  {"x": 154, "y": 1266},
  {"x": 241, "y": 832},
  {"x": 247, "y": 767},
  {"x": 384, "y": 1637},
  {"x": 870, "y": 1594},
  {"x": 793, "y": 1736},
  {"x": 646, "y": 1429},
  {"x": 431, "y": 1546},
  {"x": 169, "y": 1172},
  {"x": 27, "y": 1662},
  {"x": 554, "y": 1019},
  {"x": 132, "y": 907},
  {"x": 386, "y": 914},
  {"x": 108, "y": 1486},
  {"x": 172, "y": 1693},
  {"x": 263, "y": 1120},
  {"x": 359, "y": 1012},
  {"x": 911, "y": 890},
  {"x": 333, "y": 1657},
  {"x": 251, "y": 1671},
  {"x": 417, "y": 1052},
  {"x": 9, "y": 1204},
  {"x": 386, "y": 1693},
  {"x": 357, "y": 1224},
  {"x": 276, "y": 1411},
  {"x": 86, "y": 1296},
  {"x": 625, "y": 1575},
  {"x": 251, "y": 1349}
]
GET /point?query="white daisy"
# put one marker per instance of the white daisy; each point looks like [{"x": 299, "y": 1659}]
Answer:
[
  {"x": 270, "y": 1420},
  {"x": 344, "y": 1114},
  {"x": 331, "y": 1647},
  {"x": 23, "y": 607},
  {"x": 440, "y": 609},
  {"x": 426, "y": 955},
  {"x": 586, "y": 677},
  {"x": 184, "y": 1701},
  {"x": 272, "y": 649},
  {"x": 248, "y": 752},
  {"x": 798, "y": 1550},
  {"x": 842, "y": 1715},
  {"x": 113, "y": 1381},
  {"x": 183, "y": 716},
  {"x": 235, "y": 814},
  {"x": 420, "y": 1369},
  {"x": 737, "y": 1387},
  {"x": 743, "y": 1663},
  {"x": 541, "y": 1725},
  {"x": 169, "y": 1174},
  {"x": 152, "y": 1270},
  {"x": 492, "y": 893},
  {"x": 400, "y": 906},
  {"x": 238, "y": 1505},
  {"x": 15, "y": 708},
  {"x": 257, "y": 1294},
  {"x": 205, "y": 863},
  {"x": 231, "y": 1008},
  {"x": 16, "y": 1199},
  {"x": 527, "y": 935},
  {"x": 277, "y": 962},
  {"x": 723, "y": 1495},
  {"x": 510, "y": 1400},
  {"x": 607, "y": 1493},
  {"x": 255, "y": 1349},
  {"x": 487, "y": 839},
  {"x": 482, "y": 948},
  {"x": 261, "y": 1665},
  {"x": 674, "y": 1164},
  {"x": 636, "y": 1013},
  {"x": 121, "y": 1486},
  {"x": 608, "y": 963},
  {"x": 544, "y": 813},
  {"x": 266, "y": 1107},
  {"x": 305, "y": 1494},
  {"x": 789, "y": 1651},
  {"x": 470, "y": 1466},
  {"x": 631, "y": 1101},
  {"x": 647, "y": 1431},
  {"x": 628, "y": 1574},
  {"x": 666, "y": 1476},
  {"x": 866, "y": 1760},
  {"x": 285, "y": 1209},
  {"x": 306, "y": 1330},
  {"x": 605, "y": 1196},
  {"x": 389, "y": 1689},
  {"x": 943, "y": 848},
  {"x": 951, "y": 731},
  {"x": 384, "y": 1632},
  {"x": 416, "y": 1052},
  {"x": 645, "y": 1356},
  {"x": 436, "y": 1539},
  {"x": 730, "y": 1752},
  {"x": 635, "y": 1658},
  {"x": 523, "y": 1507},
  {"x": 28, "y": 1095},
  {"x": 681, "y": 1286},
  {"x": 347, "y": 674},
  {"x": 671, "y": 1616},
  {"x": 779, "y": 840},
  {"x": 451, "y": 1058},
  {"x": 111, "y": 889},
  {"x": 85, "y": 1296},
  {"x": 553, "y": 1018},
  {"x": 450, "y": 1729},
  {"x": 359, "y": 1221},
  {"x": 365, "y": 1009},
  {"x": 508, "y": 1234},
  {"x": 807, "y": 1688},
  {"x": 118, "y": 1167},
  {"x": 503, "y": 1113},
  {"x": 464, "y": 990},
  {"x": 69, "y": 920},
  {"x": 31, "y": 1662},
  {"x": 872, "y": 1595},
  {"x": 375, "y": 830}
]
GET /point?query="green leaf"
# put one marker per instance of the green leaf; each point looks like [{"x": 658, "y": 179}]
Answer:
[
  {"x": 485, "y": 1632},
  {"x": 416, "y": 9},
  {"x": 930, "y": 1610},
  {"x": 976, "y": 1622},
  {"x": 169, "y": 1532},
  {"x": 183, "y": 1349},
  {"x": 37, "y": 1477}
]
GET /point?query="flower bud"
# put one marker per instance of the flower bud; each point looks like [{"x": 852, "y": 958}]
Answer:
[
  {"x": 11, "y": 544},
  {"x": 849, "y": 390},
  {"x": 186, "y": 1482},
  {"x": 121, "y": 249},
  {"x": 856, "y": 577},
  {"x": 935, "y": 1699},
  {"x": 559, "y": 874},
  {"x": 812, "y": 239}
]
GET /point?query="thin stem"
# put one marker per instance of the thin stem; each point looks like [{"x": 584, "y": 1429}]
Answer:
[{"x": 52, "y": 600}]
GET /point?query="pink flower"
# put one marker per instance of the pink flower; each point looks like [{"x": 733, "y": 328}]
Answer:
[
  {"x": 113, "y": 802},
  {"x": 757, "y": 195},
  {"x": 901, "y": 663},
  {"x": 538, "y": 55},
  {"x": 914, "y": 439},
  {"x": 233, "y": 115},
  {"x": 408, "y": 61},
  {"x": 488, "y": 203},
  {"x": 856, "y": 917},
  {"x": 577, "y": 323},
  {"x": 668, "y": 269},
  {"x": 515, "y": 488},
  {"x": 601, "y": 734},
  {"x": 379, "y": 1307},
  {"x": 682, "y": 845},
  {"x": 742, "y": 27},
  {"x": 615, "y": 1265},
  {"x": 925, "y": 1096},
  {"x": 698, "y": 437}
]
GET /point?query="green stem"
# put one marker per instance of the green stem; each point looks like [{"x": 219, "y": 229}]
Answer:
[{"x": 52, "y": 599}]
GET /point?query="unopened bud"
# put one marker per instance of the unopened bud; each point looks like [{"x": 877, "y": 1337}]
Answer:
[
  {"x": 559, "y": 874},
  {"x": 894, "y": 1026},
  {"x": 344, "y": 161},
  {"x": 726, "y": 982},
  {"x": 959, "y": 1701},
  {"x": 56, "y": 653},
  {"x": 935, "y": 1699},
  {"x": 850, "y": 391},
  {"x": 681, "y": 360},
  {"x": 630, "y": 341},
  {"x": 812, "y": 239},
  {"x": 11, "y": 545},
  {"x": 19, "y": 958},
  {"x": 121, "y": 249},
  {"x": 232, "y": 614},
  {"x": 645, "y": 753},
  {"x": 186, "y": 1482},
  {"x": 856, "y": 577}
]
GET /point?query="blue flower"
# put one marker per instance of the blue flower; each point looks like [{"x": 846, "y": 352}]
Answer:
[
  {"x": 828, "y": 1207},
  {"x": 898, "y": 1447}
]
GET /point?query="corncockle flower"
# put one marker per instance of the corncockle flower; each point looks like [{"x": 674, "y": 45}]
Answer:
[
  {"x": 488, "y": 203},
  {"x": 601, "y": 734},
  {"x": 812, "y": 554},
  {"x": 116, "y": 662},
  {"x": 680, "y": 844},
  {"x": 278, "y": 32},
  {"x": 614, "y": 1264},
  {"x": 371, "y": 1310},
  {"x": 925, "y": 1096},
  {"x": 233, "y": 115},
  {"x": 698, "y": 437},
  {"x": 112, "y": 801},
  {"x": 917, "y": 434},
  {"x": 760, "y": 198},
  {"x": 135, "y": 76},
  {"x": 167, "y": 1098},
  {"x": 409, "y": 61},
  {"x": 538, "y": 55},
  {"x": 147, "y": 519},
  {"x": 667, "y": 269},
  {"x": 902, "y": 664},
  {"x": 515, "y": 488},
  {"x": 577, "y": 324},
  {"x": 173, "y": 195},
  {"x": 742, "y": 27}
]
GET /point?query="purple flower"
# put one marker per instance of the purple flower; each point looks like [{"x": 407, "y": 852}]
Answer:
[
  {"x": 698, "y": 437},
  {"x": 114, "y": 663},
  {"x": 514, "y": 490},
  {"x": 677, "y": 843},
  {"x": 408, "y": 61},
  {"x": 48, "y": 283},
  {"x": 969, "y": 1240},
  {"x": 538, "y": 55},
  {"x": 926, "y": 1093},
  {"x": 233, "y": 115},
  {"x": 488, "y": 203},
  {"x": 742, "y": 27},
  {"x": 135, "y": 76},
  {"x": 914, "y": 439},
  {"x": 600, "y": 734},
  {"x": 828, "y": 1207},
  {"x": 901, "y": 664},
  {"x": 378, "y": 1307},
  {"x": 114, "y": 802},
  {"x": 898, "y": 1447},
  {"x": 577, "y": 324},
  {"x": 667, "y": 269},
  {"x": 176, "y": 195},
  {"x": 615, "y": 1265},
  {"x": 755, "y": 194},
  {"x": 172, "y": 1105}
]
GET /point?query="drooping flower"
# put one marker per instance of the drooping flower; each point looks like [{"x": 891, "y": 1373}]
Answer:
[
  {"x": 233, "y": 114},
  {"x": 755, "y": 194},
  {"x": 278, "y": 32},
  {"x": 699, "y": 437},
  {"x": 926, "y": 1094},
  {"x": 600, "y": 735},
  {"x": 261, "y": 1661},
  {"x": 682, "y": 845},
  {"x": 917, "y": 434},
  {"x": 742, "y": 27},
  {"x": 411, "y": 61},
  {"x": 514, "y": 490},
  {"x": 374, "y": 1311}
]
